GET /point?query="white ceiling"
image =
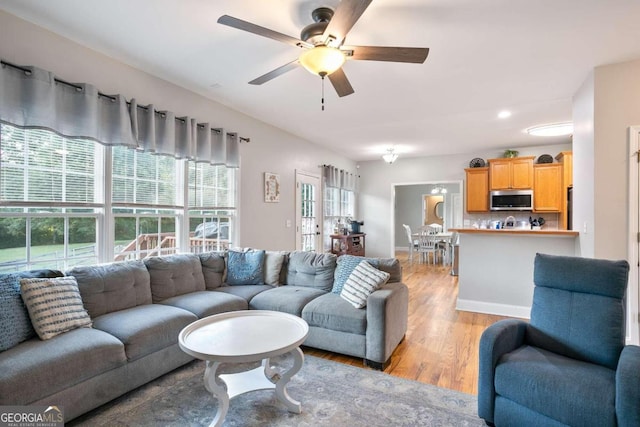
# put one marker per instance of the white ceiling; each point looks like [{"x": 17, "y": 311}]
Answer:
[{"x": 525, "y": 56}]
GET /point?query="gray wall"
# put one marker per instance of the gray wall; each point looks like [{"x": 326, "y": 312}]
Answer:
[{"x": 605, "y": 106}]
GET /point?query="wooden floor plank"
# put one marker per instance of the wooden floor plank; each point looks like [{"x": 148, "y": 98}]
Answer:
[{"x": 441, "y": 344}]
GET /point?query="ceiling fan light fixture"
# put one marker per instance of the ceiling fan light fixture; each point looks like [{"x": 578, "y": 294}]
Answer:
[
  {"x": 556, "y": 129},
  {"x": 322, "y": 60},
  {"x": 390, "y": 156}
]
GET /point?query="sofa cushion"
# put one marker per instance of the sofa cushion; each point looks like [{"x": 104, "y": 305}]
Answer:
[
  {"x": 330, "y": 311},
  {"x": 36, "y": 369},
  {"x": 245, "y": 267},
  {"x": 213, "y": 265},
  {"x": 145, "y": 329},
  {"x": 311, "y": 269},
  {"x": 539, "y": 379},
  {"x": 287, "y": 299},
  {"x": 54, "y": 305},
  {"x": 174, "y": 275},
  {"x": 273, "y": 263},
  {"x": 208, "y": 303},
  {"x": 362, "y": 281},
  {"x": 247, "y": 292},
  {"x": 113, "y": 287},
  {"x": 15, "y": 324},
  {"x": 391, "y": 266}
]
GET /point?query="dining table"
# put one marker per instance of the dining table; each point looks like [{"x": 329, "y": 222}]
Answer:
[{"x": 444, "y": 237}]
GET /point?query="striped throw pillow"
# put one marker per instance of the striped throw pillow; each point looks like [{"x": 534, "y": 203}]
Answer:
[
  {"x": 54, "y": 305},
  {"x": 363, "y": 280}
]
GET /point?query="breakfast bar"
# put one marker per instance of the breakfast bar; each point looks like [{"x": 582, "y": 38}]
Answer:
[{"x": 495, "y": 273}]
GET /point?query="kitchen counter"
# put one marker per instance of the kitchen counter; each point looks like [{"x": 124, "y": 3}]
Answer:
[
  {"x": 519, "y": 231},
  {"x": 495, "y": 267}
]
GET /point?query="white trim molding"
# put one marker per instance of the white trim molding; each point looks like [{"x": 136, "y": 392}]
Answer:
[{"x": 633, "y": 255}]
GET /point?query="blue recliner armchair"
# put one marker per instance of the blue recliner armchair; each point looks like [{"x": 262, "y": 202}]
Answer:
[{"x": 569, "y": 365}]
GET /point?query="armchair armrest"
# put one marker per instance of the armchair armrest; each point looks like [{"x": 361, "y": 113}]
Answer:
[
  {"x": 628, "y": 387},
  {"x": 498, "y": 339},
  {"x": 387, "y": 318}
]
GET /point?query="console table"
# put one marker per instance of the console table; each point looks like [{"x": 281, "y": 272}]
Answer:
[{"x": 347, "y": 244}]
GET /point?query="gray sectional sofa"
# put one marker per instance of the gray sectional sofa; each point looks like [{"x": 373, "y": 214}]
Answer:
[{"x": 137, "y": 309}]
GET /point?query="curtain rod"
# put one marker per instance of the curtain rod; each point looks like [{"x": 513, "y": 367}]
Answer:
[{"x": 27, "y": 71}]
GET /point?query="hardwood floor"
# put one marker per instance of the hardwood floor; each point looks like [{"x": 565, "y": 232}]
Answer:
[{"x": 441, "y": 344}]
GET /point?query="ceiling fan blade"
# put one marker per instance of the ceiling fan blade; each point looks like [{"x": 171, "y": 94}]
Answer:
[
  {"x": 416, "y": 55},
  {"x": 346, "y": 15},
  {"x": 230, "y": 21},
  {"x": 341, "y": 83},
  {"x": 274, "y": 73}
]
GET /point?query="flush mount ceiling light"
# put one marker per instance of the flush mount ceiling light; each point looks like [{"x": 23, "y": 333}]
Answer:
[
  {"x": 504, "y": 114},
  {"x": 556, "y": 129},
  {"x": 322, "y": 60},
  {"x": 390, "y": 156}
]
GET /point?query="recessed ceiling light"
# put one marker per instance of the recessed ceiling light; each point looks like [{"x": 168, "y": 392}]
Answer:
[
  {"x": 504, "y": 114},
  {"x": 556, "y": 129}
]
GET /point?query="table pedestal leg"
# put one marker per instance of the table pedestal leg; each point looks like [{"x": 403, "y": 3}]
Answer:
[
  {"x": 281, "y": 385},
  {"x": 226, "y": 386},
  {"x": 216, "y": 387}
]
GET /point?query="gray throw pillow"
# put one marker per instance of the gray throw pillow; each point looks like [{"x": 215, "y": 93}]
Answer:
[
  {"x": 245, "y": 268},
  {"x": 345, "y": 266},
  {"x": 273, "y": 262},
  {"x": 15, "y": 325},
  {"x": 54, "y": 305},
  {"x": 362, "y": 282}
]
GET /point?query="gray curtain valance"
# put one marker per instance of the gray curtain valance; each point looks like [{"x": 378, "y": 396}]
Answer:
[
  {"x": 339, "y": 178},
  {"x": 34, "y": 98}
]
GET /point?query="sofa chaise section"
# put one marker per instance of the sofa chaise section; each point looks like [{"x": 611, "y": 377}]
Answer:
[{"x": 372, "y": 333}]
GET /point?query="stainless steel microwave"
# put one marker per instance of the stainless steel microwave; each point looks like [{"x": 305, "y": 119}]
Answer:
[{"x": 511, "y": 200}]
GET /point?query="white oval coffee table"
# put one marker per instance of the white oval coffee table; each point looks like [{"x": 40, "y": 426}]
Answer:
[{"x": 246, "y": 336}]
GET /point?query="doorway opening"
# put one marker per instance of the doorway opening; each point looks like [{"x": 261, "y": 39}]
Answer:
[{"x": 408, "y": 207}]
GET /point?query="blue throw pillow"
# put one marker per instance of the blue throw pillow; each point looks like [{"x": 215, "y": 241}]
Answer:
[
  {"x": 346, "y": 265},
  {"x": 15, "y": 324},
  {"x": 245, "y": 268}
]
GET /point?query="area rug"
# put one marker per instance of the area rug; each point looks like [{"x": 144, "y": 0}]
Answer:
[{"x": 331, "y": 393}]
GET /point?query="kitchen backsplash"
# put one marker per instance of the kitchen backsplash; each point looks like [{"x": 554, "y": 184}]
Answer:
[{"x": 551, "y": 219}]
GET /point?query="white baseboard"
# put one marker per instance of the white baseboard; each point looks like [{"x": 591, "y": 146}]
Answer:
[{"x": 493, "y": 308}]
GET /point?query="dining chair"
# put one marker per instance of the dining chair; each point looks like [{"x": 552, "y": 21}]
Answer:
[
  {"x": 433, "y": 228},
  {"x": 428, "y": 244},
  {"x": 413, "y": 243}
]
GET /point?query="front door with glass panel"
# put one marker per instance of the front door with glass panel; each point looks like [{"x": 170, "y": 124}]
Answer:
[{"x": 308, "y": 199}]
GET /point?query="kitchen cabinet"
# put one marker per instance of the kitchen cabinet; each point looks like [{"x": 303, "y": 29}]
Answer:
[
  {"x": 347, "y": 244},
  {"x": 477, "y": 197},
  {"x": 566, "y": 159},
  {"x": 511, "y": 173},
  {"x": 547, "y": 187}
]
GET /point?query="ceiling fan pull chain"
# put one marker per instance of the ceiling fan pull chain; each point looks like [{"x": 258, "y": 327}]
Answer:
[{"x": 322, "y": 93}]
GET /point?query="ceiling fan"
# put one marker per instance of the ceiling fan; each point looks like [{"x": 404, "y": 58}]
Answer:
[{"x": 322, "y": 41}]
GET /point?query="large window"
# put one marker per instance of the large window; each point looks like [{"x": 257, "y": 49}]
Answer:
[
  {"x": 145, "y": 209},
  {"x": 211, "y": 206},
  {"x": 66, "y": 202}
]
